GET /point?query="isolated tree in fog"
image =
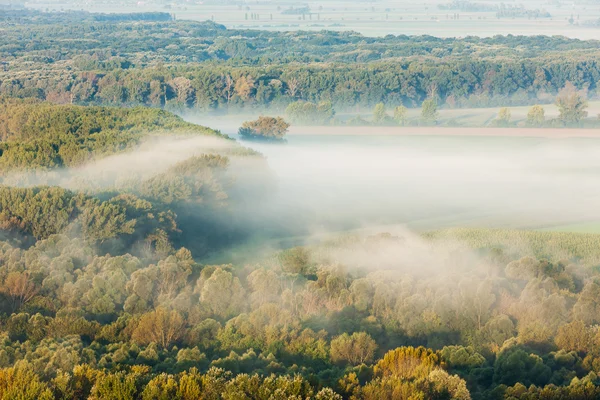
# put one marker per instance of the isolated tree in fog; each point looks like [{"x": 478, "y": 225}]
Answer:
[
  {"x": 536, "y": 116},
  {"x": 429, "y": 112},
  {"x": 379, "y": 113},
  {"x": 503, "y": 119},
  {"x": 571, "y": 104},
  {"x": 267, "y": 128},
  {"x": 400, "y": 114}
]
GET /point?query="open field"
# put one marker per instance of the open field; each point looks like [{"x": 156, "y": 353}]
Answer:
[
  {"x": 467, "y": 121},
  {"x": 446, "y": 131},
  {"x": 371, "y": 19},
  {"x": 550, "y": 245}
]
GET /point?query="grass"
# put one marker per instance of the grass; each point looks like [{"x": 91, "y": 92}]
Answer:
[{"x": 551, "y": 245}]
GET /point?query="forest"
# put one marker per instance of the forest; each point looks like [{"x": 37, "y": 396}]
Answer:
[
  {"x": 203, "y": 66},
  {"x": 141, "y": 257},
  {"x": 105, "y": 295}
]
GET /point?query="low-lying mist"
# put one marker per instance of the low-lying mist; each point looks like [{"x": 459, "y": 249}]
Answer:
[
  {"x": 338, "y": 182},
  {"x": 319, "y": 185}
]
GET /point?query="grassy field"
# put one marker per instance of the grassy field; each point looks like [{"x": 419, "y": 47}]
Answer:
[
  {"x": 554, "y": 246},
  {"x": 371, "y": 19},
  {"x": 478, "y": 116}
]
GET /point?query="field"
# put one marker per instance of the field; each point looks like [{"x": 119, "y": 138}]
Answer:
[
  {"x": 550, "y": 245},
  {"x": 371, "y": 19}
]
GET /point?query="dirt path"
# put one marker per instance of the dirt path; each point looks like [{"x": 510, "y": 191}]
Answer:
[{"x": 442, "y": 131}]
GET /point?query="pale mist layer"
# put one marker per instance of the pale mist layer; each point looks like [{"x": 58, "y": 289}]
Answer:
[
  {"x": 327, "y": 184},
  {"x": 432, "y": 182}
]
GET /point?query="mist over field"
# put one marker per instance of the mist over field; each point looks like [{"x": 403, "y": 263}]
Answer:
[
  {"x": 433, "y": 182},
  {"x": 319, "y": 185}
]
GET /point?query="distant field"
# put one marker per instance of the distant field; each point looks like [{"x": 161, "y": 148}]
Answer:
[
  {"x": 445, "y": 131},
  {"x": 371, "y": 19},
  {"x": 462, "y": 117},
  {"x": 550, "y": 245}
]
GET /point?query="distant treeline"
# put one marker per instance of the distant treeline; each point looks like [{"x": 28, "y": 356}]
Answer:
[
  {"x": 184, "y": 64},
  {"x": 454, "y": 84}
]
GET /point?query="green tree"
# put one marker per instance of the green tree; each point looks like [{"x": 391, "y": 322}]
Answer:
[
  {"x": 161, "y": 326},
  {"x": 400, "y": 115},
  {"x": 267, "y": 128},
  {"x": 429, "y": 112},
  {"x": 355, "y": 349},
  {"x": 503, "y": 119},
  {"x": 571, "y": 105},
  {"x": 379, "y": 114},
  {"x": 536, "y": 116}
]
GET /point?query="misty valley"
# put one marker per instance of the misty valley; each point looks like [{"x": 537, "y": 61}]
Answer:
[{"x": 191, "y": 211}]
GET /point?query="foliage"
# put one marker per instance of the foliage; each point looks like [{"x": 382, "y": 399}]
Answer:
[
  {"x": 429, "y": 112},
  {"x": 211, "y": 67},
  {"x": 571, "y": 105},
  {"x": 265, "y": 128},
  {"x": 503, "y": 119},
  {"x": 536, "y": 116}
]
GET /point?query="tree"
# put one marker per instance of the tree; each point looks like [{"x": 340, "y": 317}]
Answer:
[
  {"x": 400, "y": 115},
  {"x": 20, "y": 288},
  {"x": 429, "y": 112},
  {"x": 293, "y": 87},
  {"x": 571, "y": 105},
  {"x": 407, "y": 363},
  {"x": 574, "y": 337},
  {"x": 228, "y": 87},
  {"x": 503, "y": 119},
  {"x": 379, "y": 114},
  {"x": 244, "y": 86},
  {"x": 222, "y": 293},
  {"x": 266, "y": 128},
  {"x": 22, "y": 383},
  {"x": 161, "y": 326},
  {"x": 183, "y": 90},
  {"x": 516, "y": 365},
  {"x": 358, "y": 348},
  {"x": 453, "y": 384},
  {"x": 536, "y": 116}
]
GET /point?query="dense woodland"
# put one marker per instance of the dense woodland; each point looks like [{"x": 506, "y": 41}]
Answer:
[
  {"x": 204, "y": 66},
  {"x": 113, "y": 283},
  {"x": 104, "y": 293}
]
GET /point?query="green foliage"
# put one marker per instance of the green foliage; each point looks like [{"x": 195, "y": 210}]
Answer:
[
  {"x": 307, "y": 113},
  {"x": 571, "y": 105},
  {"x": 358, "y": 348},
  {"x": 429, "y": 112},
  {"x": 40, "y": 135},
  {"x": 536, "y": 116},
  {"x": 213, "y": 67},
  {"x": 503, "y": 119},
  {"x": 400, "y": 115},
  {"x": 264, "y": 128},
  {"x": 379, "y": 114}
]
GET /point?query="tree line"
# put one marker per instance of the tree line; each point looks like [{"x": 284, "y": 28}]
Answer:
[{"x": 205, "y": 66}]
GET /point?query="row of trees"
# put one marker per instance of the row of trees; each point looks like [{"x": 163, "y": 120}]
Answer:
[
  {"x": 453, "y": 85},
  {"x": 183, "y": 64},
  {"x": 571, "y": 104}
]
